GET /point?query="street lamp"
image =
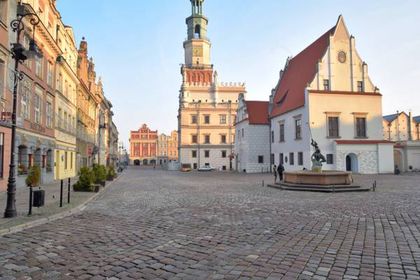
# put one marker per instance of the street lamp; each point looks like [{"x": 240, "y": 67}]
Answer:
[
  {"x": 102, "y": 125},
  {"x": 19, "y": 54}
]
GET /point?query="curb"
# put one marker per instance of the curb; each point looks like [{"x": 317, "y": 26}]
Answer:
[{"x": 58, "y": 216}]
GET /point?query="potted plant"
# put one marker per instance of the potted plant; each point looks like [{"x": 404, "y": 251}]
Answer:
[
  {"x": 86, "y": 181},
  {"x": 100, "y": 174},
  {"x": 111, "y": 174},
  {"x": 33, "y": 180}
]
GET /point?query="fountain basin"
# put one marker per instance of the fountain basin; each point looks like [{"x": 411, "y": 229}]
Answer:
[{"x": 325, "y": 178}]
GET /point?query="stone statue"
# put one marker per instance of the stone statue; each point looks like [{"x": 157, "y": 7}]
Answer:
[{"x": 317, "y": 158}]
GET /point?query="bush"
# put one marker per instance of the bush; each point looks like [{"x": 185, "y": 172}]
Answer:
[
  {"x": 34, "y": 177},
  {"x": 100, "y": 173},
  {"x": 111, "y": 174},
  {"x": 86, "y": 181}
]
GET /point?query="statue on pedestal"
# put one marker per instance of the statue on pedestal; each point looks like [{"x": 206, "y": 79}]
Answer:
[{"x": 317, "y": 158}]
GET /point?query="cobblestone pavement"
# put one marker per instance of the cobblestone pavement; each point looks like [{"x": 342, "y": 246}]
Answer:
[{"x": 153, "y": 224}]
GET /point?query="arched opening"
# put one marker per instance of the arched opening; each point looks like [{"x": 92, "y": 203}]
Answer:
[
  {"x": 49, "y": 163},
  {"x": 22, "y": 160},
  {"x": 137, "y": 162},
  {"x": 38, "y": 157},
  {"x": 145, "y": 162},
  {"x": 197, "y": 32},
  {"x": 352, "y": 164}
]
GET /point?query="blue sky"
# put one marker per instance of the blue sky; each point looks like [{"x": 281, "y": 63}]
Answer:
[{"x": 137, "y": 47}]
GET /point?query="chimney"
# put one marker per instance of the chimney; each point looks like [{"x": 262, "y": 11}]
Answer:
[{"x": 410, "y": 118}]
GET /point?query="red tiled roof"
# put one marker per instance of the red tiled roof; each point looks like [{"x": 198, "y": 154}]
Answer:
[
  {"x": 257, "y": 112},
  {"x": 301, "y": 70},
  {"x": 362, "y": 142}
]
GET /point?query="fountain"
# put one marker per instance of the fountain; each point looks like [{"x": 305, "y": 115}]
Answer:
[{"x": 317, "y": 179}]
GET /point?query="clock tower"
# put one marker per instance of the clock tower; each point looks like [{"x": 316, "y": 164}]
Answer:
[{"x": 197, "y": 68}]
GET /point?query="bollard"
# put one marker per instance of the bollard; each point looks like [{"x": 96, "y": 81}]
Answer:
[
  {"x": 262, "y": 183},
  {"x": 68, "y": 191},
  {"x": 374, "y": 186},
  {"x": 30, "y": 201},
  {"x": 61, "y": 192}
]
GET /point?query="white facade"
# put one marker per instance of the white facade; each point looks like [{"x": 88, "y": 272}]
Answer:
[{"x": 342, "y": 111}]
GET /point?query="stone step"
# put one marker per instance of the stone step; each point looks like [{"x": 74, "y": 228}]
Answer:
[{"x": 319, "y": 188}]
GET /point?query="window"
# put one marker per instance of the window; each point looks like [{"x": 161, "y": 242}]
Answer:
[
  {"x": 223, "y": 139},
  {"x": 65, "y": 160},
  {"x": 260, "y": 159},
  {"x": 224, "y": 153},
  {"x": 333, "y": 128},
  {"x": 330, "y": 158},
  {"x": 194, "y": 119},
  {"x": 326, "y": 84},
  {"x": 194, "y": 154},
  {"x": 3, "y": 11},
  {"x": 291, "y": 158},
  {"x": 206, "y": 153},
  {"x": 207, "y": 119},
  {"x": 49, "y": 74},
  {"x": 360, "y": 86},
  {"x": 272, "y": 136},
  {"x": 222, "y": 119},
  {"x": 1, "y": 153},
  {"x": 38, "y": 66},
  {"x": 37, "y": 109},
  {"x": 71, "y": 160},
  {"x": 2, "y": 74},
  {"x": 194, "y": 139},
  {"x": 195, "y": 166},
  {"x": 207, "y": 139},
  {"x": 361, "y": 127},
  {"x": 24, "y": 100},
  {"x": 282, "y": 132},
  {"x": 281, "y": 158},
  {"x": 243, "y": 132},
  {"x": 60, "y": 83},
  {"x": 298, "y": 129},
  {"x": 49, "y": 114},
  {"x": 300, "y": 158}
]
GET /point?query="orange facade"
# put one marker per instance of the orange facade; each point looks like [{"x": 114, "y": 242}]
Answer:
[{"x": 143, "y": 146}]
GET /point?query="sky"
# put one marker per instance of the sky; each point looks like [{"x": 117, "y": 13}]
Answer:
[{"x": 137, "y": 48}]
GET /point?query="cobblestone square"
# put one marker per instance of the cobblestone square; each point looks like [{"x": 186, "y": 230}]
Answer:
[{"x": 153, "y": 224}]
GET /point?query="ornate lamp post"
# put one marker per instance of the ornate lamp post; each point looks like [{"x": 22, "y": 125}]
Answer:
[{"x": 19, "y": 54}]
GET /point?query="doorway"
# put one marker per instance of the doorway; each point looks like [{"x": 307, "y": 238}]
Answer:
[{"x": 352, "y": 164}]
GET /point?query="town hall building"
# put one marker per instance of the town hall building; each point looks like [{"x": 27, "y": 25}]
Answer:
[
  {"x": 207, "y": 107},
  {"x": 325, "y": 93}
]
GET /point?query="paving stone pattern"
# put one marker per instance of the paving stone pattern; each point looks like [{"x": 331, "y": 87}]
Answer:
[{"x": 154, "y": 224}]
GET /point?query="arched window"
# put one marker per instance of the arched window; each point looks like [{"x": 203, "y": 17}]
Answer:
[{"x": 197, "y": 31}]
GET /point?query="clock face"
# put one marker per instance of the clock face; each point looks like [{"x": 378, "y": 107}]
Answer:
[
  {"x": 342, "y": 56},
  {"x": 198, "y": 51}
]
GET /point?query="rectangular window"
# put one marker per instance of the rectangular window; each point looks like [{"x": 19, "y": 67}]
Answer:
[
  {"x": 300, "y": 158},
  {"x": 292, "y": 158},
  {"x": 282, "y": 158},
  {"x": 272, "y": 159},
  {"x": 282, "y": 132},
  {"x": 49, "y": 114},
  {"x": 37, "y": 109},
  {"x": 193, "y": 119},
  {"x": 207, "y": 119},
  {"x": 24, "y": 99},
  {"x": 3, "y": 11},
  {"x": 194, "y": 154},
  {"x": 71, "y": 160},
  {"x": 298, "y": 129},
  {"x": 361, "y": 127},
  {"x": 2, "y": 75},
  {"x": 60, "y": 83},
  {"x": 243, "y": 132},
  {"x": 50, "y": 74},
  {"x": 195, "y": 166},
  {"x": 38, "y": 66},
  {"x": 222, "y": 119},
  {"x": 207, "y": 154},
  {"x": 65, "y": 160},
  {"x": 223, "y": 139},
  {"x": 1, "y": 154},
  {"x": 194, "y": 139},
  {"x": 260, "y": 159},
  {"x": 330, "y": 158},
  {"x": 272, "y": 136},
  {"x": 224, "y": 153},
  {"x": 326, "y": 84},
  {"x": 206, "y": 139},
  {"x": 333, "y": 127},
  {"x": 360, "y": 86}
]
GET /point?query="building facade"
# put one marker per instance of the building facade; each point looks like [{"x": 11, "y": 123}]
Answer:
[
  {"x": 7, "y": 12},
  {"x": 252, "y": 144},
  {"x": 207, "y": 107},
  {"x": 65, "y": 104},
  {"x": 167, "y": 147},
  {"x": 404, "y": 130},
  {"x": 143, "y": 146},
  {"x": 325, "y": 93}
]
